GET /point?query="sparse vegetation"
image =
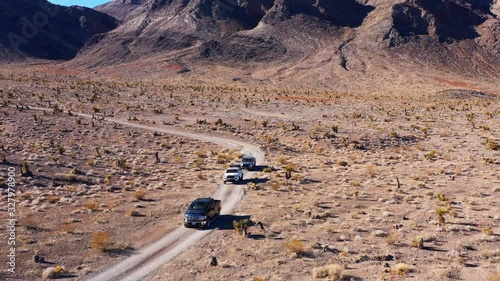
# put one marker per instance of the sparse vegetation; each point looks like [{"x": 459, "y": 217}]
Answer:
[
  {"x": 101, "y": 241},
  {"x": 294, "y": 246},
  {"x": 332, "y": 272},
  {"x": 492, "y": 145},
  {"x": 241, "y": 226},
  {"x": 440, "y": 212},
  {"x": 140, "y": 194}
]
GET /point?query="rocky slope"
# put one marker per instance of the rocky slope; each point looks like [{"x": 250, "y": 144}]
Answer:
[
  {"x": 292, "y": 31},
  {"x": 122, "y": 9},
  {"x": 36, "y": 28},
  {"x": 315, "y": 39}
]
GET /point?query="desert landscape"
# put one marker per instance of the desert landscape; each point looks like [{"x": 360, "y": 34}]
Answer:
[{"x": 375, "y": 132}]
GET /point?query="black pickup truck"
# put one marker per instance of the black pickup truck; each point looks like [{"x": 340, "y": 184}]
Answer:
[{"x": 202, "y": 212}]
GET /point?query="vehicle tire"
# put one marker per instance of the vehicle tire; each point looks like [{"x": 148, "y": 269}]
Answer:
[
  {"x": 208, "y": 222},
  {"x": 224, "y": 182}
]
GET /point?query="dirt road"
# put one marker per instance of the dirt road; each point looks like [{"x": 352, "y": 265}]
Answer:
[{"x": 151, "y": 257}]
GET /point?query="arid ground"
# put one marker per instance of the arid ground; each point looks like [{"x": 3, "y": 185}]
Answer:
[{"x": 386, "y": 183}]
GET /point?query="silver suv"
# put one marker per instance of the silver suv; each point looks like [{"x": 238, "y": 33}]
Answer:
[{"x": 233, "y": 174}]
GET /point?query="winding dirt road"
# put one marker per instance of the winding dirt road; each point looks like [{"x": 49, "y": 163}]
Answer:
[{"x": 151, "y": 257}]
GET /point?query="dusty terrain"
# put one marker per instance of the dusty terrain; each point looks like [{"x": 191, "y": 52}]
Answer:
[{"x": 370, "y": 172}]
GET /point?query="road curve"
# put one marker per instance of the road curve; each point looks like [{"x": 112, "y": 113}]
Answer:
[{"x": 151, "y": 257}]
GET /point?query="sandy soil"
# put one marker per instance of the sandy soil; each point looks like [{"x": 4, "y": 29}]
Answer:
[{"x": 370, "y": 173}]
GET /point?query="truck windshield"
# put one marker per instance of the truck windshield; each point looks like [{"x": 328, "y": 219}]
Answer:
[
  {"x": 231, "y": 171},
  {"x": 199, "y": 206}
]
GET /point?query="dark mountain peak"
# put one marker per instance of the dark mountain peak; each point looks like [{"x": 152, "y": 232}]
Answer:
[
  {"x": 44, "y": 30},
  {"x": 447, "y": 20},
  {"x": 344, "y": 13}
]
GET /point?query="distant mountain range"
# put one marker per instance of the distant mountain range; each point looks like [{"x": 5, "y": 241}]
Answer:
[{"x": 449, "y": 33}]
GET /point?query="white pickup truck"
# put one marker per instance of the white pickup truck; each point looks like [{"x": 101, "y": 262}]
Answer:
[{"x": 233, "y": 174}]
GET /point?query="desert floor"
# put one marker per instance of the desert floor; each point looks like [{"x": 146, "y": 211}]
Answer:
[{"x": 372, "y": 174}]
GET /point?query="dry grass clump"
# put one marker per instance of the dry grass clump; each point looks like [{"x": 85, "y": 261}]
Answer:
[
  {"x": 281, "y": 160},
  {"x": 393, "y": 238},
  {"x": 342, "y": 163},
  {"x": 275, "y": 185},
  {"x": 418, "y": 242},
  {"x": 294, "y": 246},
  {"x": 400, "y": 269},
  {"x": 223, "y": 158},
  {"x": 371, "y": 170},
  {"x": 101, "y": 241},
  {"x": 91, "y": 206},
  {"x": 120, "y": 163},
  {"x": 487, "y": 231},
  {"x": 67, "y": 177},
  {"x": 52, "y": 273},
  {"x": 492, "y": 145},
  {"x": 68, "y": 228},
  {"x": 267, "y": 169},
  {"x": 332, "y": 271},
  {"x": 140, "y": 194},
  {"x": 52, "y": 199}
]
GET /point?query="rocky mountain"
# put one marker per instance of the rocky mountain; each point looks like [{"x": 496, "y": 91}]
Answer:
[
  {"x": 263, "y": 30},
  {"x": 328, "y": 38},
  {"x": 122, "y": 9},
  {"x": 39, "y": 29}
]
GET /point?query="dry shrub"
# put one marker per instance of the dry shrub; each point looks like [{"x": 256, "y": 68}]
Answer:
[
  {"x": 400, "y": 269},
  {"x": 281, "y": 160},
  {"x": 487, "y": 231},
  {"x": 67, "y": 177},
  {"x": 91, "y": 206},
  {"x": 371, "y": 170},
  {"x": 332, "y": 271},
  {"x": 294, "y": 246},
  {"x": 68, "y": 228},
  {"x": 140, "y": 194},
  {"x": 30, "y": 223},
  {"x": 267, "y": 169},
  {"x": 393, "y": 238},
  {"x": 201, "y": 154},
  {"x": 52, "y": 199},
  {"x": 223, "y": 158},
  {"x": 52, "y": 273},
  {"x": 101, "y": 241},
  {"x": 342, "y": 163},
  {"x": 275, "y": 185}
]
